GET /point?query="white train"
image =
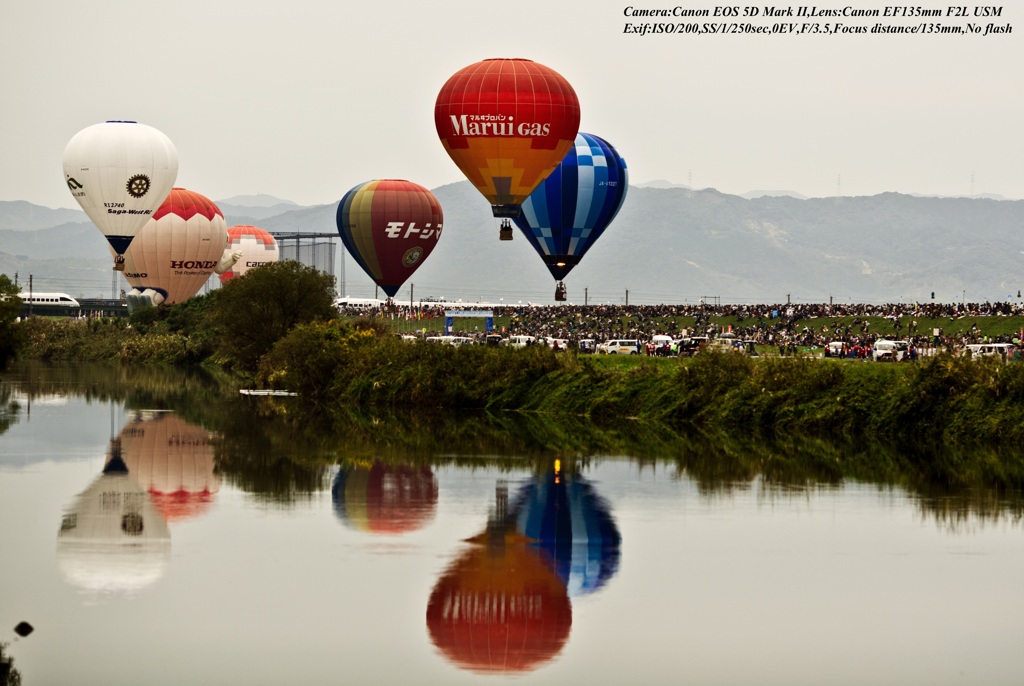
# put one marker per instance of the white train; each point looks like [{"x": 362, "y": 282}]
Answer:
[{"x": 39, "y": 299}]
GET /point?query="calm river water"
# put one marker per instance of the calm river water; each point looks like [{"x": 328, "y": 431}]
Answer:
[{"x": 155, "y": 532}]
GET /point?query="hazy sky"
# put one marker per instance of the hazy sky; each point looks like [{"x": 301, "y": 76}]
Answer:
[{"x": 307, "y": 98}]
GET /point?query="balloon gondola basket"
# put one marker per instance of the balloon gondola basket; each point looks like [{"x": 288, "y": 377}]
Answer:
[
  {"x": 560, "y": 292},
  {"x": 505, "y": 232}
]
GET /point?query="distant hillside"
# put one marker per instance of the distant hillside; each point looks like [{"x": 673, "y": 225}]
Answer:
[
  {"x": 667, "y": 245},
  {"x": 18, "y": 215},
  {"x": 259, "y": 200},
  {"x": 750, "y": 195}
]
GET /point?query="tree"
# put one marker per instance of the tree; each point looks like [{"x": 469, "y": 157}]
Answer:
[
  {"x": 10, "y": 331},
  {"x": 257, "y": 309}
]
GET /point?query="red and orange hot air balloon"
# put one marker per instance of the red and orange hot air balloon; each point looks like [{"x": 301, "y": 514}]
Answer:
[{"x": 507, "y": 123}]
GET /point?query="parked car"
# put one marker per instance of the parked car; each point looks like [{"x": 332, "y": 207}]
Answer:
[
  {"x": 889, "y": 351},
  {"x": 520, "y": 341},
  {"x": 454, "y": 341},
  {"x": 620, "y": 346},
  {"x": 588, "y": 345},
  {"x": 1005, "y": 351},
  {"x": 659, "y": 345},
  {"x": 560, "y": 344},
  {"x": 687, "y": 347},
  {"x": 835, "y": 349}
]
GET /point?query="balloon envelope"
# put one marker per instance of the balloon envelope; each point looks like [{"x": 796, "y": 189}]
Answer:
[
  {"x": 389, "y": 226},
  {"x": 178, "y": 248},
  {"x": 573, "y": 206},
  {"x": 257, "y": 247},
  {"x": 120, "y": 172},
  {"x": 506, "y": 123}
]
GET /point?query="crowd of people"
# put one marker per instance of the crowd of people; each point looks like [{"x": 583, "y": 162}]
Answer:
[{"x": 785, "y": 326}]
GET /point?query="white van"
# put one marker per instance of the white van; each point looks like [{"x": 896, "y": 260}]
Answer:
[
  {"x": 659, "y": 345},
  {"x": 619, "y": 346},
  {"x": 561, "y": 343},
  {"x": 454, "y": 341},
  {"x": 1005, "y": 351},
  {"x": 521, "y": 341},
  {"x": 889, "y": 351}
]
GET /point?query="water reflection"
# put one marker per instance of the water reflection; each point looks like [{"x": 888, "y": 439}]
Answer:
[
  {"x": 504, "y": 605},
  {"x": 276, "y": 450},
  {"x": 112, "y": 539},
  {"x": 499, "y": 607},
  {"x": 573, "y": 526},
  {"x": 173, "y": 460},
  {"x": 387, "y": 499}
]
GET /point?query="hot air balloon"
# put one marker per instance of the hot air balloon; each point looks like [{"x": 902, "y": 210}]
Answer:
[
  {"x": 506, "y": 123},
  {"x": 390, "y": 227},
  {"x": 120, "y": 172},
  {"x": 256, "y": 247},
  {"x": 573, "y": 206},
  {"x": 176, "y": 251}
]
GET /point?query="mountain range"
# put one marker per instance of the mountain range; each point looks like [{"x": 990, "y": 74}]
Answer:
[{"x": 668, "y": 244}]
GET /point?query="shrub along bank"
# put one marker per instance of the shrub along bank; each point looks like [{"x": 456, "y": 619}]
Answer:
[
  {"x": 938, "y": 400},
  {"x": 358, "y": 364}
]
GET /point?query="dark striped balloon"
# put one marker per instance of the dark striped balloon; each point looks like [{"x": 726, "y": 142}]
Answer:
[{"x": 389, "y": 226}]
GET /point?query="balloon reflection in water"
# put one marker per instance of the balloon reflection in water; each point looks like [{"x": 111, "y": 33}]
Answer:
[
  {"x": 173, "y": 461},
  {"x": 499, "y": 607},
  {"x": 573, "y": 526},
  {"x": 384, "y": 498},
  {"x": 112, "y": 539}
]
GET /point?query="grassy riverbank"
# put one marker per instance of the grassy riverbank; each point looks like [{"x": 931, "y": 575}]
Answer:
[
  {"x": 936, "y": 401},
  {"x": 337, "y": 365}
]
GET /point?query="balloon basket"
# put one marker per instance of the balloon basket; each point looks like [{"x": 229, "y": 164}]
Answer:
[{"x": 505, "y": 232}]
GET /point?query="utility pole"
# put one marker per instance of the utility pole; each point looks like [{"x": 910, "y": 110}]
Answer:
[
  {"x": 585, "y": 295},
  {"x": 30, "y": 295},
  {"x": 411, "y": 287},
  {"x": 627, "y": 297}
]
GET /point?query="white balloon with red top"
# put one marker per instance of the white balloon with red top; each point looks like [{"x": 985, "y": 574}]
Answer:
[
  {"x": 176, "y": 251},
  {"x": 256, "y": 246}
]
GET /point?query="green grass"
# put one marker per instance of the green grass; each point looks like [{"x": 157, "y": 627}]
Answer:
[{"x": 988, "y": 325}]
